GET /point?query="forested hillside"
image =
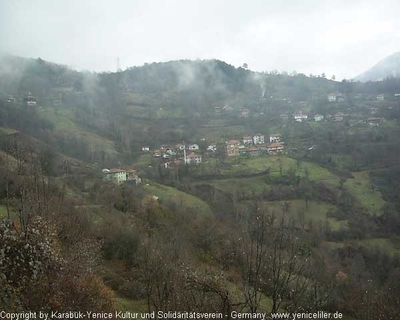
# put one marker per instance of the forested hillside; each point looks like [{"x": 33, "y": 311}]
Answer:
[{"x": 311, "y": 227}]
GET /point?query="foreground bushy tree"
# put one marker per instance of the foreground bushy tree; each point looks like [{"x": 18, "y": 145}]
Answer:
[{"x": 36, "y": 274}]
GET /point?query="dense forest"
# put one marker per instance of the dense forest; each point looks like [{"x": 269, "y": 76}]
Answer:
[{"x": 314, "y": 228}]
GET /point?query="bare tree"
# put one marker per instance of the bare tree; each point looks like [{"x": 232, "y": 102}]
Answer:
[
  {"x": 254, "y": 259},
  {"x": 285, "y": 265}
]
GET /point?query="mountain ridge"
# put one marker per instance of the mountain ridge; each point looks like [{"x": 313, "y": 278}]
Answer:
[{"x": 386, "y": 68}]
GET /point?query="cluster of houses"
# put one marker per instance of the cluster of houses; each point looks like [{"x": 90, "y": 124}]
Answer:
[
  {"x": 28, "y": 100},
  {"x": 340, "y": 97},
  {"x": 226, "y": 108},
  {"x": 255, "y": 145},
  {"x": 299, "y": 116},
  {"x": 169, "y": 152},
  {"x": 336, "y": 97},
  {"x": 177, "y": 155},
  {"x": 119, "y": 176},
  {"x": 375, "y": 121}
]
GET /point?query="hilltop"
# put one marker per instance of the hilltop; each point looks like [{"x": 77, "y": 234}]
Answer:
[
  {"x": 110, "y": 114},
  {"x": 386, "y": 68}
]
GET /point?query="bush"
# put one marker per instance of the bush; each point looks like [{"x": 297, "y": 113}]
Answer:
[{"x": 123, "y": 246}]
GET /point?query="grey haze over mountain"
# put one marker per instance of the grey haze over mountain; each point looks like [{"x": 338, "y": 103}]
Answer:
[
  {"x": 340, "y": 38},
  {"x": 386, "y": 68}
]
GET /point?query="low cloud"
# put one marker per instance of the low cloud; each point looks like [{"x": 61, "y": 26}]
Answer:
[{"x": 342, "y": 38}]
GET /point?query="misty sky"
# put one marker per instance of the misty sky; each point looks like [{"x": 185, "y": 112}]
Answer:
[{"x": 337, "y": 37}]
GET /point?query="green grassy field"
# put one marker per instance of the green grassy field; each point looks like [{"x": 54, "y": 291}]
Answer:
[
  {"x": 248, "y": 166},
  {"x": 383, "y": 245},
  {"x": 252, "y": 185},
  {"x": 315, "y": 212},
  {"x": 363, "y": 190},
  {"x": 343, "y": 162},
  {"x": 391, "y": 124},
  {"x": 255, "y": 186},
  {"x": 144, "y": 160},
  {"x": 182, "y": 199},
  {"x": 64, "y": 120},
  {"x": 3, "y": 212},
  {"x": 220, "y": 134},
  {"x": 360, "y": 187}
]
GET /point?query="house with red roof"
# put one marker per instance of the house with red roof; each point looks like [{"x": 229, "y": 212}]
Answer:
[{"x": 232, "y": 148}]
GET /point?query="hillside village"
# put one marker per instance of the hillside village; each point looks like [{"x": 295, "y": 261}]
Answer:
[
  {"x": 192, "y": 154},
  {"x": 256, "y": 145},
  {"x": 197, "y": 160},
  {"x": 171, "y": 187}
]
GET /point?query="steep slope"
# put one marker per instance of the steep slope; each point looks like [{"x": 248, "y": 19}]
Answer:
[
  {"x": 104, "y": 116},
  {"x": 386, "y": 68}
]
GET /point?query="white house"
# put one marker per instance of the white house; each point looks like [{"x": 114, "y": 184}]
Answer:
[
  {"x": 380, "y": 97},
  {"x": 11, "y": 99},
  {"x": 274, "y": 148},
  {"x": 247, "y": 140},
  {"x": 318, "y": 117},
  {"x": 375, "y": 121},
  {"x": 193, "y": 147},
  {"x": 145, "y": 149},
  {"x": 245, "y": 112},
  {"x": 212, "y": 148},
  {"x": 275, "y": 138},
  {"x": 120, "y": 175},
  {"x": 157, "y": 153},
  {"x": 258, "y": 139},
  {"x": 170, "y": 151},
  {"x": 336, "y": 97},
  {"x": 193, "y": 158},
  {"x": 332, "y": 97},
  {"x": 300, "y": 117},
  {"x": 115, "y": 175},
  {"x": 30, "y": 100}
]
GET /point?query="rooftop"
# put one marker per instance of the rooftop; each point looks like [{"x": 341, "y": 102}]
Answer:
[
  {"x": 193, "y": 155},
  {"x": 275, "y": 145},
  {"x": 115, "y": 170}
]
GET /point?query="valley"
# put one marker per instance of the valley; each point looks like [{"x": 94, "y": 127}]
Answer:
[{"x": 257, "y": 191}]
